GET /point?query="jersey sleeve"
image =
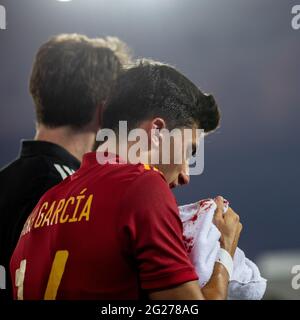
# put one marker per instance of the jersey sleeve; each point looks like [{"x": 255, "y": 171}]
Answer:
[{"x": 152, "y": 235}]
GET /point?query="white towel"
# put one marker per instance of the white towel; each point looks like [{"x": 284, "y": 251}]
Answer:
[{"x": 201, "y": 239}]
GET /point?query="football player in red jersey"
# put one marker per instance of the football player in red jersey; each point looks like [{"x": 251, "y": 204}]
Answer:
[{"x": 112, "y": 231}]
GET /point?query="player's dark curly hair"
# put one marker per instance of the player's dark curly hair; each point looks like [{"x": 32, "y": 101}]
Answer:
[{"x": 150, "y": 89}]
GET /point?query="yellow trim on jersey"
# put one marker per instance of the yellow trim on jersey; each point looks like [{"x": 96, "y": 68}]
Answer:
[
  {"x": 57, "y": 271},
  {"x": 148, "y": 167}
]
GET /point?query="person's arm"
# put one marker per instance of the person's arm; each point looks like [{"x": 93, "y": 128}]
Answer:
[
  {"x": 186, "y": 291},
  {"x": 217, "y": 286}
]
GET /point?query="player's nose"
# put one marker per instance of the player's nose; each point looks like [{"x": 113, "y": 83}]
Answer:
[{"x": 183, "y": 178}]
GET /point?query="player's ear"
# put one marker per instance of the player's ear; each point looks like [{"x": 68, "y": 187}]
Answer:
[{"x": 156, "y": 125}]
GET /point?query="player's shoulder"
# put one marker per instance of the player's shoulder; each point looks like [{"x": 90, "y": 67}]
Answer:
[
  {"x": 147, "y": 179},
  {"x": 149, "y": 190},
  {"x": 149, "y": 170},
  {"x": 26, "y": 166},
  {"x": 143, "y": 172},
  {"x": 115, "y": 169},
  {"x": 125, "y": 175},
  {"x": 28, "y": 172}
]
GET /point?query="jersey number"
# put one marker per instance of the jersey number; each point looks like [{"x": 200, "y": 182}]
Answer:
[{"x": 56, "y": 273}]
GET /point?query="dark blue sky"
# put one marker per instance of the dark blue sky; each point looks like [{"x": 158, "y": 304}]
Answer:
[{"x": 245, "y": 52}]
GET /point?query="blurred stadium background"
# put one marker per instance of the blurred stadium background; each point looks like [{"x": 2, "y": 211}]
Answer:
[{"x": 245, "y": 52}]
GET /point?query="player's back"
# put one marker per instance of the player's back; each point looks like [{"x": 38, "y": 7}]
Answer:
[{"x": 70, "y": 245}]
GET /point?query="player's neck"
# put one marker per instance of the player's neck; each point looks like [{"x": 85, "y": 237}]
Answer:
[{"x": 76, "y": 142}]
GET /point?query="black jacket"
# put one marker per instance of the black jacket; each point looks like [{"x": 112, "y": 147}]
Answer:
[{"x": 40, "y": 166}]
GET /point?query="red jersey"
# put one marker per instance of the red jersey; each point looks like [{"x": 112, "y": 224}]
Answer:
[{"x": 107, "y": 232}]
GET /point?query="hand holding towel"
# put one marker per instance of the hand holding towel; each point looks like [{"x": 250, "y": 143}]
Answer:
[{"x": 201, "y": 239}]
